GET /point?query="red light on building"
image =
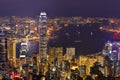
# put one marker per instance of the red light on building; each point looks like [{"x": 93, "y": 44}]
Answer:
[
  {"x": 115, "y": 36},
  {"x": 17, "y": 76}
]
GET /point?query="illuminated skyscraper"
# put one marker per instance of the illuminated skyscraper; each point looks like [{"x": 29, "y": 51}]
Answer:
[
  {"x": 43, "y": 35},
  {"x": 112, "y": 50},
  {"x": 11, "y": 48},
  {"x": 23, "y": 53}
]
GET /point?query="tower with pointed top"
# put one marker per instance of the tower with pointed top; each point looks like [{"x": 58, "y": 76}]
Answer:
[{"x": 43, "y": 35}]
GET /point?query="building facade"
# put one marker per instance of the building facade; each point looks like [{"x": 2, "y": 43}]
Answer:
[{"x": 3, "y": 51}]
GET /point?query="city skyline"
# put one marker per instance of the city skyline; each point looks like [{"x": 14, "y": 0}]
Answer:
[
  {"x": 59, "y": 40},
  {"x": 66, "y": 8}
]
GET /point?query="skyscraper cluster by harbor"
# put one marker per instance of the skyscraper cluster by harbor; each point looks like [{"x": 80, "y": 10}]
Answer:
[{"x": 35, "y": 48}]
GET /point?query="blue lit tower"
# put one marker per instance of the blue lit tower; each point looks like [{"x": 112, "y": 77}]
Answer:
[
  {"x": 112, "y": 49},
  {"x": 43, "y": 35}
]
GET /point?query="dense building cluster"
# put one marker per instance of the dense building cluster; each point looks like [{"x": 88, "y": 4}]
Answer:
[{"x": 25, "y": 51}]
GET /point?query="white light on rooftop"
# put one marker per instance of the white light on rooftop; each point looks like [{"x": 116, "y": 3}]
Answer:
[
  {"x": 43, "y": 13},
  {"x": 110, "y": 44}
]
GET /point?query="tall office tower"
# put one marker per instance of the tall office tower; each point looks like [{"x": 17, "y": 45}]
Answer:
[
  {"x": 3, "y": 49},
  {"x": 11, "y": 47},
  {"x": 43, "y": 35},
  {"x": 23, "y": 53},
  {"x": 112, "y": 50}
]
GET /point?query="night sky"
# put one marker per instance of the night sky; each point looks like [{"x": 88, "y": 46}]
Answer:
[{"x": 54, "y": 8}]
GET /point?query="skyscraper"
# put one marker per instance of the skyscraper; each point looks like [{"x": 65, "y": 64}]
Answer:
[
  {"x": 43, "y": 35},
  {"x": 3, "y": 50},
  {"x": 42, "y": 29}
]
